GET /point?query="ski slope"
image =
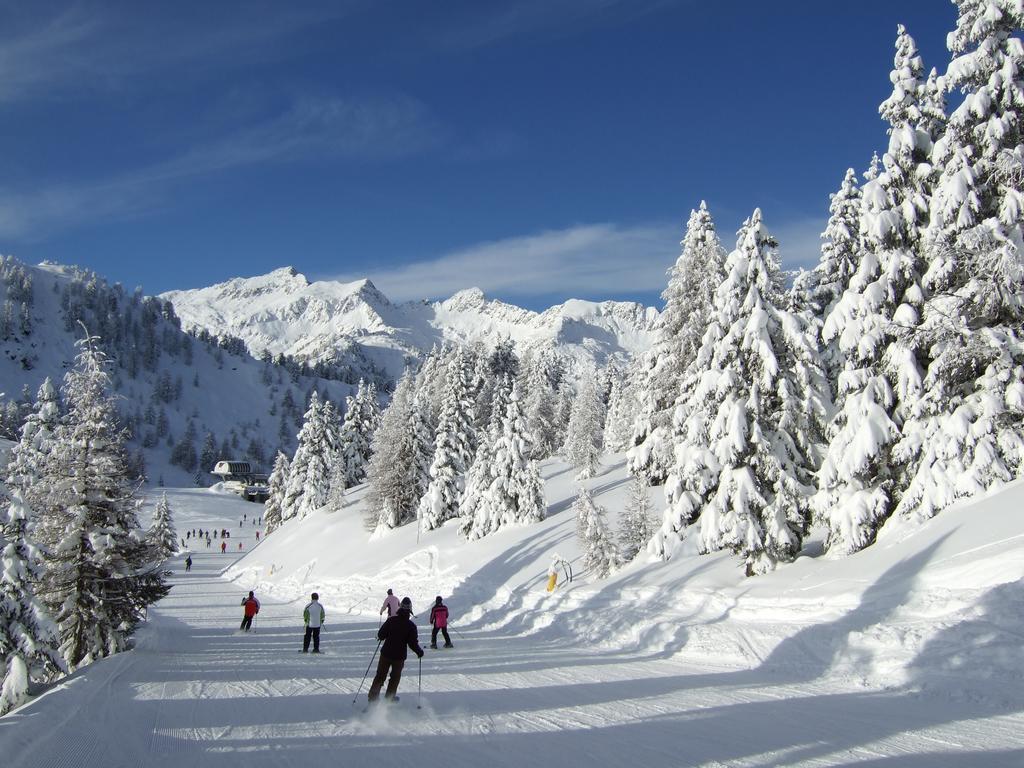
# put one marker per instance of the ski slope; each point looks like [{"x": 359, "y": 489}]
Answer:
[{"x": 907, "y": 654}]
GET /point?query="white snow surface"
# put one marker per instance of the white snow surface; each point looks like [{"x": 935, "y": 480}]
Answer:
[
  {"x": 283, "y": 312},
  {"x": 908, "y": 653}
]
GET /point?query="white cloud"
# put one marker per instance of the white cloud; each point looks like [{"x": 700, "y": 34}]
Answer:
[{"x": 594, "y": 260}]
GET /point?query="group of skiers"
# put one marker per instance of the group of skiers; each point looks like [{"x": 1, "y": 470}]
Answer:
[{"x": 397, "y": 635}]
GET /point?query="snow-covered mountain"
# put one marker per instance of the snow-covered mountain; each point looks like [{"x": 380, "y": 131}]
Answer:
[
  {"x": 283, "y": 312},
  {"x": 177, "y": 393}
]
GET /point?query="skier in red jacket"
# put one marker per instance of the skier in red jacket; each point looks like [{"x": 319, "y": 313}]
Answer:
[{"x": 252, "y": 607}]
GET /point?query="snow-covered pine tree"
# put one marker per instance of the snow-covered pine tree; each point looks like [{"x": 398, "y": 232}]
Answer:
[
  {"x": 515, "y": 493},
  {"x": 362, "y": 417},
  {"x": 161, "y": 535},
  {"x": 28, "y": 455},
  {"x": 875, "y": 324},
  {"x": 452, "y": 449},
  {"x": 689, "y": 298},
  {"x": 600, "y": 557},
  {"x": 638, "y": 524},
  {"x": 28, "y": 637},
  {"x": 965, "y": 434},
  {"x": 394, "y": 483},
  {"x": 102, "y": 574},
  {"x": 309, "y": 476},
  {"x": 742, "y": 460},
  {"x": 539, "y": 406},
  {"x": 584, "y": 436},
  {"x": 272, "y": 508}
]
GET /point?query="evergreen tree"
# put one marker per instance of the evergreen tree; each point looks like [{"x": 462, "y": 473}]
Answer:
[
  {"x": 452, "y": 449},
  {"x": 161, "y": 534},
  {"x": 743, "y": 462},
  {"x": 874, "y": 325},
  {"x": 689, "y": 300},
  {"x": 515, "y": 493},
  {"x": 310, "y": 470},
  {"x": 102, "y": 573},
  {"x": 586, "y": 425},
  {"x": 395, "y": 484},
  {"x": 28, "y": 637},
  {"x": 638, "y": 523},
  {"x": 25, "y": 468},
  {"x": 278, "y": 482},
  {"x": 539, "y": 406},
  {"x": 965, "y": 433},
  {"x": 362, "y": 417},
  {"x": 599, "y": 553}
]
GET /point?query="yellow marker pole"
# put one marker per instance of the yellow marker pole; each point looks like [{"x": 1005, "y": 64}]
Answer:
[{"x": 552, "y": 580}]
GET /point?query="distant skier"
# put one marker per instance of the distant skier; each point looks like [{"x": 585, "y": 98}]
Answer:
[
  {"x": 313, "y": 617},
  {"x": 252, "y": 607},
  {"x": 215, "y": 534},
  {"x": 223, "y": 547},
  {"x": 188, "y": 563},
  {"x": 439, "y": 618},
  {"x": 398, "y": 633},
  {"x": 207, "y": 542},
  {"x": 390, "y": 605},
  {"x": 257, "y": 535},
  {"x": 239, "y": 546}
]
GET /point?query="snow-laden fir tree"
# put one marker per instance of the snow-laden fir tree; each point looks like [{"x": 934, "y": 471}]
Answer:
[
  {"x": 539, "y": 406},
  {"x": 396, "y": 473},
  {"x": 965, "y": 433},
  {"x": 362, "y": 417},
  {"x": 584, "y": 436},
  {"x": 743, "y": 461},
  {"x": 452, "y": 448},
  {"x": 310, "y": 472},
  {"x": 515, "y": 494},
  {"x": 478, "y": 481},
  {"x": 875, "y": 323},
  {"x": 277, "y": 483},
  {"x": 600, "y": 556},
  {"x": 689, "y": 298},
  {"x": 102, "y": 573},
  {"x": 622, "y": 413},
  {"x": 638, "y": 524},
  {"x": 29, "y": 454},
  {"x": 161, "y": 535},
  {"x": 28, "y": 637}
]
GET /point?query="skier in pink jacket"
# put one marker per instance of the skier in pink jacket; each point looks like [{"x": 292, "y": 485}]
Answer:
[{"x": 390, "y": 604}]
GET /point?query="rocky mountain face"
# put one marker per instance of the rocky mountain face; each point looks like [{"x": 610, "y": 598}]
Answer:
[{"x": 284, "y": 313}]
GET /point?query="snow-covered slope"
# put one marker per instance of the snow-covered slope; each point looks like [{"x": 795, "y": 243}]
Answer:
[
  {"x": 283, "y": 312},
  {"x": 906, "y": 654}
]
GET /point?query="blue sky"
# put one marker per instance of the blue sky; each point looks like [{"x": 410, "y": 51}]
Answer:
[{"x": 540, "y": 149}]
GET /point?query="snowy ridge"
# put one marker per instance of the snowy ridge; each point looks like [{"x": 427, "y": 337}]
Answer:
[{"x": 283, "y": 312}]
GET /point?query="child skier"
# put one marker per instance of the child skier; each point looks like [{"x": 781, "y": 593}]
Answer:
[
  {"x": 252, "y": 607},
  {"x": 397, "y": 633},
  {"x": 188, "y": 563},
  {"x": 439, "y": 618}
]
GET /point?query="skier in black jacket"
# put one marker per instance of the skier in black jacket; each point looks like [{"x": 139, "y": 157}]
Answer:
[{"x": 398, "y": 634}]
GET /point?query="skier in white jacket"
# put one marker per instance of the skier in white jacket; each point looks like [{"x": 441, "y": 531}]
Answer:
[{"x": 313, "y": 616}]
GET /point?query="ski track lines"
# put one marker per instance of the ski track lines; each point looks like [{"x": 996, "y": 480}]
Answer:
[{"x": 196, "y": 691}]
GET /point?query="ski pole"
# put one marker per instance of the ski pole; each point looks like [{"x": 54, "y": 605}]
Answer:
[
  {"x": 367, "y": 671},
  {"x": 419, "y": 695},
  {"x": 453, "y": 629}
]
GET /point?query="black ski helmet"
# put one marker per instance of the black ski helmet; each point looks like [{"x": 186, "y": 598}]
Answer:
[
  {"x": 437, "y": 599},
  {"x": 407, "y": 604}
]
